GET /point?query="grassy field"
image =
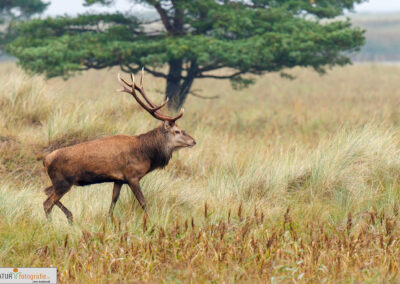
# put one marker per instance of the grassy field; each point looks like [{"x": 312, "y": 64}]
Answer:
[{"x": 291, "y": 181}]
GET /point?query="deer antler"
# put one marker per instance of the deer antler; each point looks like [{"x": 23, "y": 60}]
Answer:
[{"x": 151, "y": 108}]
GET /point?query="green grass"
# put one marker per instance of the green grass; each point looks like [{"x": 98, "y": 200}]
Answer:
[{"x": 290, "y": 181}]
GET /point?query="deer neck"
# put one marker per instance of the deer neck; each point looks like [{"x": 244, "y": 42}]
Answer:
[{"x": 154, "y": 146}]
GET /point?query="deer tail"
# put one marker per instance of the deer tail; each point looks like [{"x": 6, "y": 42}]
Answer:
[{"x": 40, "y": 157}]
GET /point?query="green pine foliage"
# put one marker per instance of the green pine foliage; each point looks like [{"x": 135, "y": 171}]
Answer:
[
  {"x": 193, "y": 38},
  {"x": 11, "y": 10}
]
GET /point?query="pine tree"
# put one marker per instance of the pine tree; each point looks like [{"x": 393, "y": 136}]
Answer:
[{"x": 193, "y": 39}]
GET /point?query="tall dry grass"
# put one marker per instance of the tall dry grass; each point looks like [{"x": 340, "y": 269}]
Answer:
[{"x": 325, "y": 147}]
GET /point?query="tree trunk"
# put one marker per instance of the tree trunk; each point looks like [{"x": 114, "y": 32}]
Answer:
[
  {"x": 174, "y": 83},
  {"x": 178, "y": 87},
  {"x": 185, "y": 89}
]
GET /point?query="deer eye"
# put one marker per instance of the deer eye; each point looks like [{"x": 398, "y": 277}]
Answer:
[{"x": 177, "y": 132}]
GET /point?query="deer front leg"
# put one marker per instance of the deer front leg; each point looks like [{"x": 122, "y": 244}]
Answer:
[
  {"x": 135, "y": 187},
  {"x": 115, "y": 196}
]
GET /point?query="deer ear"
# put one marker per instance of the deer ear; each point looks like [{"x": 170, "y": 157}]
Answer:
[{"x": 168, "y": 124}]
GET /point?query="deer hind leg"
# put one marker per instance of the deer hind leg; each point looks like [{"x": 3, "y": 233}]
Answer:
[
  {"x": 54, "y": 199},
  {"x": 49, "y": 203},
  {"x": 67, "y": 213},
  {"x": 49, "y": 191},
  {"x": 115, "y": 195}
]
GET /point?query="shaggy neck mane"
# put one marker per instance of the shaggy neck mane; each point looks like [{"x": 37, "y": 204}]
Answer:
[{"x": 153, "y": 145}]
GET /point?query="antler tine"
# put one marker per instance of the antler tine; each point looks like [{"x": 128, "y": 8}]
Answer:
[
  {"x": 162, "y": 105},
  {"x": 122, "y": 81},
  {"x": 133, "y": 79},
  {"x": 161, "y": 116},
  {"x": 142, "y": 92},
  {"x": 152, "y": 108},
  {"x": 179, "y": 115},
  {"x": 169, "y": 118},
  {"x": 164, "y": 117}
]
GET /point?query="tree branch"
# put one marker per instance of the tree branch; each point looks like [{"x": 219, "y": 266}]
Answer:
[
  {"x": 194, "y": 94},
  {"x": 130, "y": 69},
  {"x": 210, "y": 67},
  {"x": 220, "y": 77},
  {"x": 151, "y": 22},
  {"x": 94, "y": 65},
  {"x": 155, "y": 73},
  {"x": 163, "y": 15}
]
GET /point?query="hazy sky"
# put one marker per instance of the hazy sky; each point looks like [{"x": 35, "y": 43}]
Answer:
[{"x": 72, "y": 7}]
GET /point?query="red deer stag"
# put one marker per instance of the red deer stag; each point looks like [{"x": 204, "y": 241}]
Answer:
[{"x": 121, "y": 159}]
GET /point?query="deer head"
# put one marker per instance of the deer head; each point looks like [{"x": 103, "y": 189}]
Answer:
[{"x": 176, "y": 137}]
